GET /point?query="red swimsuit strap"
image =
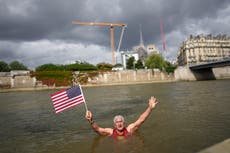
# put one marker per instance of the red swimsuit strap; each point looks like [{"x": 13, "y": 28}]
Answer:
[{"x": 125, "y": 132}]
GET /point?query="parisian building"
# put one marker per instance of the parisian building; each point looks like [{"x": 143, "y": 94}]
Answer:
[
  {"x": 126, "y": 55},
  {"x": 152, "y": 49},
  {"x": 203, "y": 49},
  {"x": 141, "y": 51}
]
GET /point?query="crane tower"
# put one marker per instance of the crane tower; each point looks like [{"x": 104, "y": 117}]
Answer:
[{"x": 111, "y": 25}]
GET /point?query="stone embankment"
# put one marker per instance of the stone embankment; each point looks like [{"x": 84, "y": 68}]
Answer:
[
  {"x": 19, "y": 80},
  {"x": 183, "y": 73},
  {"x": 129, "y": 77},
  {"x": 16, "y": 79}
]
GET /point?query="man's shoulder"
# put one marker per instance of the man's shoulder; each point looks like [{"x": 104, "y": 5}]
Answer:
[{"x": 131, "y": 127}]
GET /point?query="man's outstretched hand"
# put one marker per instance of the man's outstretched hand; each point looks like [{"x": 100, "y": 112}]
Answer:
[
  {"x": 152, "y": 102},
  {"x": 88, "y": 115}
]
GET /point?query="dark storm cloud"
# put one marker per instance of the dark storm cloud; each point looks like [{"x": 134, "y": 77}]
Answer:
[
  {"x": 38, "y": 20},
  {"x": 174, "y": 14},
  {"x": 44, "y": 17},
  {"x": 7, "y": 50},
  {"x": 34, "y": 19}
]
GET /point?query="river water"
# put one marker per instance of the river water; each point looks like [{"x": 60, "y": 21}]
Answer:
[{"x": 189, "y": 117}]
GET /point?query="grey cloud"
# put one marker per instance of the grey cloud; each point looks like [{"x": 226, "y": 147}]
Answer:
[
  {"x": 41, "y": 20},
  {"x": 35, "y": 20},
  {"x": 52, "y": 19},
  {"x": 7, "y": 51}
]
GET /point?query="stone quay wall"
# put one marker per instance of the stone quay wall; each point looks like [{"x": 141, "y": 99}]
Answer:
[
  {"x": 5, "y": 80},
  {"x": 185, "y": 74},
  {"x": 131, "y": 76},
  {"x": 22, "y": 79},
  {"x": 17, "y": 79}
]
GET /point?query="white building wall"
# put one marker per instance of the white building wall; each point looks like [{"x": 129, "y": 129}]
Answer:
[{"x": 126, "y": 55}]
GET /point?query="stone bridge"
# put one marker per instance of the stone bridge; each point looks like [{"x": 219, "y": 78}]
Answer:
[{"x": 206, "y": 71}]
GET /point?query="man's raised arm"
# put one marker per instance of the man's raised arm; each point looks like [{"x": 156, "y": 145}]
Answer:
[
  {"x": 96, "y": 127},
  {"x": 134, "y": 126}
]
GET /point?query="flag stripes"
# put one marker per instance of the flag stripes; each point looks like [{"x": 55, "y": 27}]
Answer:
[{"x": 65, "y": 99}]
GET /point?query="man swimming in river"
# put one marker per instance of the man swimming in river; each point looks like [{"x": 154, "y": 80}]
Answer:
[{"x": 119, "y": 123}]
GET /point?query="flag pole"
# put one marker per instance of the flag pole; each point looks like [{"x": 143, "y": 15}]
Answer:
[{"x": 86, "y": 108}]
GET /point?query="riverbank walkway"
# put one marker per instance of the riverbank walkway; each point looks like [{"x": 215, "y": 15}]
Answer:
[{"x": 222, "y": 147}]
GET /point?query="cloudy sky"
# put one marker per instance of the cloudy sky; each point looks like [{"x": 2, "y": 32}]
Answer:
[{"x": 37, "y": 32}]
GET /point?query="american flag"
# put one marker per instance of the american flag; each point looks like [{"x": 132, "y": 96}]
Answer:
[{"x": 67, "y": 98}]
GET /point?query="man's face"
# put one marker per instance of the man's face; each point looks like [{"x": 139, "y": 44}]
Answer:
[{"x": 119, "y": 124}]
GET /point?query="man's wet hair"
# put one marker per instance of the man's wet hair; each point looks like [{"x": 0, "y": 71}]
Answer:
[{"x": 118, "y": 117}]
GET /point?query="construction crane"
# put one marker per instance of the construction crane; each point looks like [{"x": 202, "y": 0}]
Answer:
[
  {"x": 111, "y": 25},
  {"x": 162, "y": 35}
]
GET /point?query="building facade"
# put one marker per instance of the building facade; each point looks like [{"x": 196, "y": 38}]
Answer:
[
  {"x": 126, "y": 55},
  {"x": 141, "y": 51},
  {"x": 152, "y": 49},
  {"x": 203, "y": 49}
]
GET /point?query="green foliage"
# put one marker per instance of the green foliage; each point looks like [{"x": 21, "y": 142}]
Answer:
[
  {"x": 49, "y": 67},
  {"x": 59, "y": 78},
  {"x": 15, "y": 65},
  {"x": 139, "y": 64},
  {"x": 104, "y": 66},
  {"x": 69, "y": 67},
  {"x": 130, "y": 63},
  {"x": 4, "y": 67},
  {"x": 118, "y": 65},
  {"x": 155, "y": 61},
  {"x": 169, "y": 67},
  {"x": 61, "y": 75},
  {"x": 80, "y": 67}
]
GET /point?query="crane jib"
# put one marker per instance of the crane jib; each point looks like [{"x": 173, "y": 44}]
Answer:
[{"x": 111, "y": 25}]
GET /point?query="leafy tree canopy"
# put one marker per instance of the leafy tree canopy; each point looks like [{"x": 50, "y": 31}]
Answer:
[
  {"x": 139, "y": 64},
  {"x": 118, "y": 65},
  {"x": 169, "y": 67},
  {"x": 16, "y": 65},
  {"x": 4, "y": 67},
  {"x": 69, "y": 67},
  {"x": 80, "y": 67},
  {"x": 155, "y": 61},
  {"x": 104, "y": 66},
  {"x": 130, "y": 63},
  {"x": 50, "y": 67}
]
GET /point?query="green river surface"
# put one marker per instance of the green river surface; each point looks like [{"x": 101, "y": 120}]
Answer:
[{"x": 189, "y": 117}]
